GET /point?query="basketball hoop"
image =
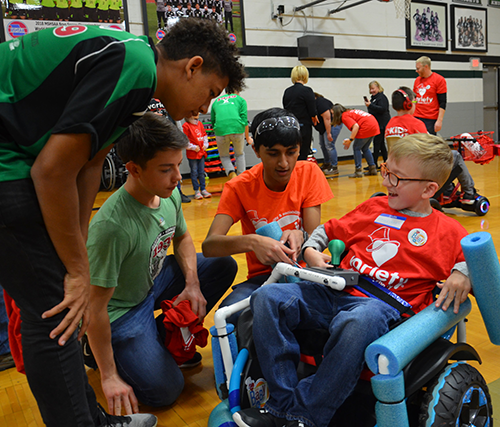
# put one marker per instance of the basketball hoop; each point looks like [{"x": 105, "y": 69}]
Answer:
[{"x": 403, "y": 8}]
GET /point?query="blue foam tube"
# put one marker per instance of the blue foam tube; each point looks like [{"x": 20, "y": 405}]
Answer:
[
  {"x": 221, "y": 416},
  {"x": 235, "y": 380},
  {"x": 388, "y": 389},
  {"x": 405, "y": 342},
  {"x": 394, "y": 415},
  {"x": 219, "y": 372},
  {"x": 484, "y": 272},
  {"x": 272, "y": 230}
]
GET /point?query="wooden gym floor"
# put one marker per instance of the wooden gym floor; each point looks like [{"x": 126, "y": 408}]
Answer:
[{"x": 192, "y": 409}]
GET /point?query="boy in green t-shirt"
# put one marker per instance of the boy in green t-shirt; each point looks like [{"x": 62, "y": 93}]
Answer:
[{"x": 132, "y": 274}]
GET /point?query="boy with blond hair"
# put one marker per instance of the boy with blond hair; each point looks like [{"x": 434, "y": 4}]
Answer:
[{"x": 398, "y": 243}]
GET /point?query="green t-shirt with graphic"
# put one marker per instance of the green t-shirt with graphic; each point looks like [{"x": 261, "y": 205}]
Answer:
[{"x": 128, "y": 244}]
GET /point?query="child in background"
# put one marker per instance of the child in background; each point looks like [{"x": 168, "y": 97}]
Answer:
[
  {"x": 404, "y": 124},
  {"x": 198, "y": 143},
  {"x": 363, "y": 127}
]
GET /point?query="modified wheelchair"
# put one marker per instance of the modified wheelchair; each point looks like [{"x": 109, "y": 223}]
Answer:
[{"x": 416, "y": 377}]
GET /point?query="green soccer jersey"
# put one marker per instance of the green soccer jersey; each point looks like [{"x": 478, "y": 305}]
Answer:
[
  {"x": 72, "y": 79},
  {"x": 127, "y": 245}
]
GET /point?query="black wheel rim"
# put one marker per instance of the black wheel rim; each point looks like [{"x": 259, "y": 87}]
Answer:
[{"x": 474, "y": 411}]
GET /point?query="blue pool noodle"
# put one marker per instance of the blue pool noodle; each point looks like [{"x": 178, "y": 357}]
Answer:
[
  {"x": 220, "y": 376},
  {"x": 484, "y": 272},
  {"x": 272, "y": 230},
  {"x": 405, "y": 342},
  {"x": 221, "y": 416}
]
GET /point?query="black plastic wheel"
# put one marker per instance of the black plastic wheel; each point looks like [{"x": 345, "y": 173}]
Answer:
[
  {"x": 458, "y": 397},
  {"x": 436, "y": 205},
  {"x": 108, "y": 175},
  {"x": 481, "y": 206}
]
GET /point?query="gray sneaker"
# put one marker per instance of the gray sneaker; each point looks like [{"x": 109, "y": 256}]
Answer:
[{"x": 135, "y": 420}]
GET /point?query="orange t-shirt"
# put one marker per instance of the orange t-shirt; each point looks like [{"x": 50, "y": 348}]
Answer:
[
  {"x": 427, "y": 90},
  {"x": 246, "y": 198},
  {"x": 368, "y": 125}
]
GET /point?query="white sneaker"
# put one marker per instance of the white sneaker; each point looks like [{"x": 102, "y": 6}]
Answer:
[
  {"x": 197, "y": 195},
  {"x": 205, "y": 194}
]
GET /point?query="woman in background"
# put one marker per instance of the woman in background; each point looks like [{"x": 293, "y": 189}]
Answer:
[
  {"x": 378, "y": 106},
  {"x": 300, "y": 100}
]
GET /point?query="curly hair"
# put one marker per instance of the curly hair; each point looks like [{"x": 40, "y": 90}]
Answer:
[{"x": 203, "y": 37}]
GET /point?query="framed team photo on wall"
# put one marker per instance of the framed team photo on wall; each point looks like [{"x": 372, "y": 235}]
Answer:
[
  {"x": 427, "y": 27},
  {"x": 469, "y": 28}
]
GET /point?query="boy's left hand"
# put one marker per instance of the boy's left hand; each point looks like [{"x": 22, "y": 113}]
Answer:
[
  {"x": 456, "y": 287},
  {"x": 198, "y": 301}
]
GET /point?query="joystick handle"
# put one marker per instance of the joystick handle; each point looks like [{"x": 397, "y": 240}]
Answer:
[{"x": 336, "y": 248}]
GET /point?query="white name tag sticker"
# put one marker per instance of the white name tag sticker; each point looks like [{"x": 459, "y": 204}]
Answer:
[{"x": 392, "y": 221}]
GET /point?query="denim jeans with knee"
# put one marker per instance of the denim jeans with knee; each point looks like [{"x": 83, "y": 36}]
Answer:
[
  {"x": 328, "y": 147},
  {"x": 360, "y": 148},
  {"x": 197, "y": 167},
  {"x": 137, "y": 337},
  {"x": 353, "y": 323},
  {"x": 33, "y": 275},
  {"x": 223, "y": 145}
]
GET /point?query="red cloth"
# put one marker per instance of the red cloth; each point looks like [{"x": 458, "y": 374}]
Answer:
[
  {"x": 14, "y": 315},
  {"x": 184, "y": 332}
]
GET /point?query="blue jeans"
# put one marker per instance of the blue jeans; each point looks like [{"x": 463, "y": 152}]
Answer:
[
  {"x": 138, "y": 338},
  {"x": 353, "y": 323},
  {"x": 33, "y": 275},
  {"x": 360, "y": 148},
  {"x": 328, "y": 148},
  {"x": 197, "y": 173},
  {"x": 4, "y": 326}
]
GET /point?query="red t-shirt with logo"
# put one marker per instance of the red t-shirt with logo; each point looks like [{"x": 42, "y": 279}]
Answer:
[
  {"x": 427, "y": 90},
  {"x": 246, "y": 198},
  {"x": 368, "y": 125},
  {"x": 401, "y": 126},
  {"x": 406, "y": 254}
]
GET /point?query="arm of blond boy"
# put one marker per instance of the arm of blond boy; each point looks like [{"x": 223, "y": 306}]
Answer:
[{"x": 455, "y": 288}]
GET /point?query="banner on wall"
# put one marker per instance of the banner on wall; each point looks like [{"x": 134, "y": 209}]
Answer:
[
  {"x": 494, "y": 3},
  {"x": 21, "y": 17}
]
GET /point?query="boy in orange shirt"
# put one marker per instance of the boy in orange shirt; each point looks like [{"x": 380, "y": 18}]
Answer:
[{"x": 279, "y": 189}]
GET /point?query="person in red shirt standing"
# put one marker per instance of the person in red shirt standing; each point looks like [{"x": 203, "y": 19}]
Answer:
[
  {"x": 195, "y": 152},
  {"x": 363, "y": 127},
  {"x": 430, "y": 88}
]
